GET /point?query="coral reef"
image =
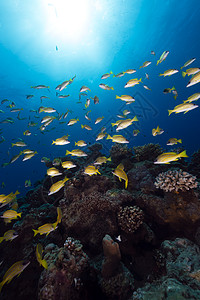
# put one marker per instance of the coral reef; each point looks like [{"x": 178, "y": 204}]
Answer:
[
  {"x": 130, "y": 218},
  {"x": 194, "y": 165},
  {"x": 147, "y": 152},
  {"x": 112, "y": 257},
  {"x": 67, "y": 265},
  {"x": 121, "y": 154},
  {"x": 175, "y": 180}
]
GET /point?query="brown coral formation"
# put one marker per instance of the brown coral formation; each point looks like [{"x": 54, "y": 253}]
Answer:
[
  {"x": 130, "y": 218},
  {"x": 147, "y": 152},
  {"x": 112, "y": 257},
  {"x": 175, "y": 180}
]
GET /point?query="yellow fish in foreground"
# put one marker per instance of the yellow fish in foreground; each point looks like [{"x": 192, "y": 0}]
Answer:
[
  {"x": 45, "y": 229},
  {"x": 166, "y": 158},
  {"x": 101, "y": 160},
  {"x": 133, "y": 82},
  {"x": 117, "y": 139},
  {"x": 119, "y": 172},
  {"x": 8, "y": 236},
  {"x": 68, "y": 164},
  {"x": 53, "y": 172},
  {"x": 10, "y": 215},
  {"x": 15, "y": 270},
  {"x": 91, "y": 170},
  {"x": 39, "y": 250},
  {"x": 57, "y": 186},
  {"x": 76, "y": 152},
  {"x": 61, "y": 141},
  {"x": 183, "y": 107},
  {"x": 194, "y": 80}
]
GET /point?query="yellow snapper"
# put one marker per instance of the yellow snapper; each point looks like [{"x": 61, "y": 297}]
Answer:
[
  {"x": 46, "y": 109},
  {"x": 81, "y": 143},
  {"x": 84, "y": 89},
  {"x": 98, "y": 120},
  {"x": 169, "y": 72},
  {"x": 135, "y": 132},
  {"x": 194, "y": 80},
  {"x": 9, "y": 236},
  {"x": 15, "y": 270},
  {"x": 76, "y": 152},
  {"x": 167, "y": 157},
  {"x": 156, "y": 131},
  {"x": 91, "y": 170},
  {"x": 19, "y": 144},
  {"x": 100, "y": 136},
  {"x": 117, "y": 139},
  {"x": 162, "y": 57},
  {"x": 106, "y": 87},
  {"x": 27, "y": 132},
  {"x": 133, "y": 82},
  {"x": 104, "y": 76},
  {"x": 173, "y": 141},
  {"x": 59, "y": 216},
  {"x": 61, "y": 141},
  {"x": 86, "y": 127},
  {"x": 68, "y": 164},
  {"x": 183, "y": 107},
  {"x": 72, "y": 122},
  {"x": 190, "y": 72},
  {"x": 130, "y": 71},
  {"x": 126, "y": 98},
  {"x": 189, "y": 62},
  {"x": 29, "y": 156},
  {"x": 57, "y": 186},
  {"x": 119, "y": 172},
  {"x": 45, "y": 229},
  {"x": 101, "y": 160},
  {"x": 125, "y": 123},
  {"x": 10, "y": 214},
  {"x": 39, "y": 87},
  {"x": 39, "y": 251},
  {"x": 194, "y": 97},
  {"x": 145, "y": 64},
  {"x": 53, "y": 172}
]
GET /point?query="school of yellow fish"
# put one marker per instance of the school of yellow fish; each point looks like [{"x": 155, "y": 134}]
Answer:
[{"x": 93, "y": 169}]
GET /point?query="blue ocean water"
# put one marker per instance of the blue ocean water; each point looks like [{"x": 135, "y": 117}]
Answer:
[{"x": 47, "y": 42}]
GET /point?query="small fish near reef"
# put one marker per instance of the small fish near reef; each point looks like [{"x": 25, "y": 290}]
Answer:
[{"x": 15, "y": 270}]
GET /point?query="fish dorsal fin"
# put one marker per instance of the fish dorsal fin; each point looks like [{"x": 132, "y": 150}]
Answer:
[{"x": 120, "y": 166}]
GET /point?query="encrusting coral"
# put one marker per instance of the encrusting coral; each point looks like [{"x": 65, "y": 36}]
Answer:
[
  {"x": 175, "y": 180},
  {"x": 130, "y": 218}
]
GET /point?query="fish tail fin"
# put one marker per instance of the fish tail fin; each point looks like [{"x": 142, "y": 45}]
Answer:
[
  {"x": 126, "y": 183},
  {"x": 183, "y": 154},
  {"x": 180, "y": 141},
  {"x": 183, "y": 74},
  {"x": 53, "y": 142},
  {"x": 140, "y": 67},
  {"x": 181, "y": 67},
  {"x": 135, "y": 119},
  {"x": 161, "y": 74},
  {"x": 76, "y": 144},
  {"x": 67, "y": 152},
  {"x": 82, "y": 126},
  {"x": 170, "y": 112},
  {"x": 44, "y": 263},
  {"x": 109, "y": 158},
  {"x": 17, "y": 192},
  {"x": 77, "y": 119},
  {"x": 19, "y": 214},
  {"x": 65, "y": 179},
  {"x": 12, "y": 144},
  {"x": 112, "y": 88},
  {"x": 98, "y": 172},
  {"x": 1, "y": 239},
  {"x": 2, "y": 284},
  {"x": 113, "y": 124},
  {"x": 111, "y": 72},
  {"x": 173, "y": 88},
  {"x": 140, "y": 80},
  {"x": 157, "y": 62},
  {"x": 35, "y": 232},
  {"x": 117, "y": 97},
  {"x": 109, "y": 137}
]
